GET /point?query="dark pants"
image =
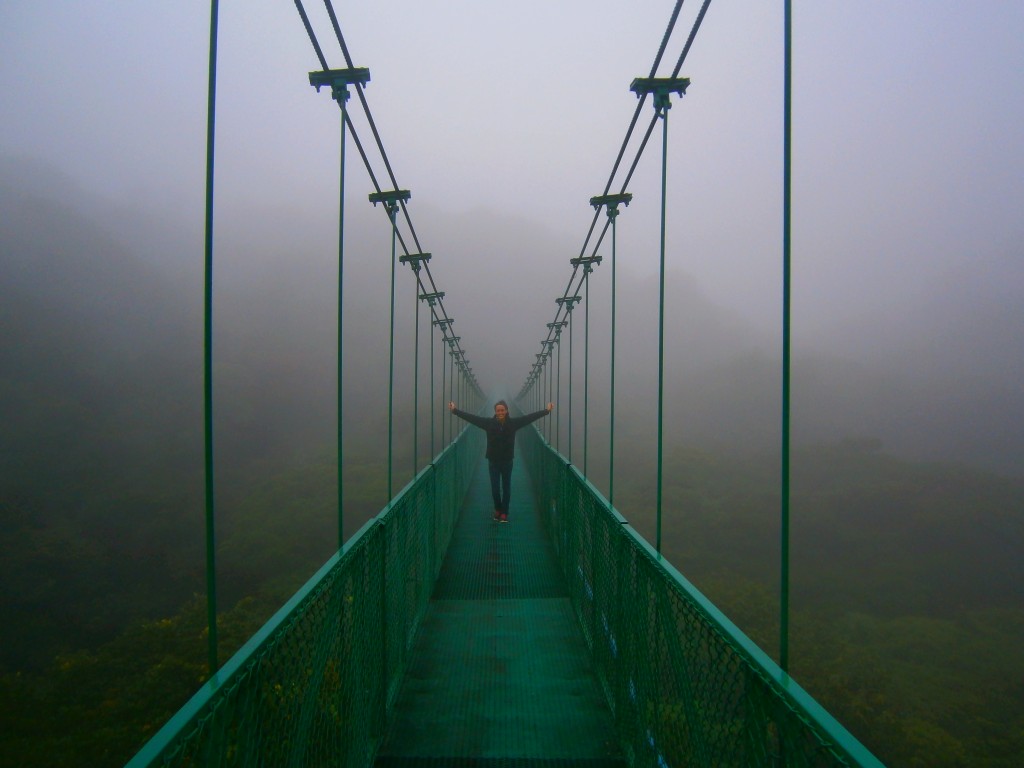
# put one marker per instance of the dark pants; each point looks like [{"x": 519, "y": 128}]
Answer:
[{"x": 501, "y": 484}]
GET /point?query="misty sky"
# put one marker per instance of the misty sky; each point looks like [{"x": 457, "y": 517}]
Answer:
[{"x": 908, "y": 169}]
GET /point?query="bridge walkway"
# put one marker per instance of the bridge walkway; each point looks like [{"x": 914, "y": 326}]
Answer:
[{"x": 500, "y": 674}]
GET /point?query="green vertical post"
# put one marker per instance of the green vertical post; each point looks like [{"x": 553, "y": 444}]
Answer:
[
  {"x": 392, "y": 212},
  {"x": 661, "y": 88},
  {"x": 568, "y": 303},
  {"x": 586, "y": 363},
  {"x": 338, "y": 80},
  {"x": 444, "y": 324},
  {"x": 558, "y": 388},
  {"x": 570, "y": 384},
  {"x": 456, "y": 394},
  {"x": 342, "y": 99},
  {"x": 444, "y": 392},
  {"x": 611, "y": 203},
  {"x": 211, "y": 557},
  {"x": 661, "y": 321},
  {"x": 551, "y": 388},
  {"x": 447, "y": 393},
  {"x": 416, "y": 381},
  {"x": 433, "y": 381},
  {"x": 415, "y": 260},
  {"x": 569, "y": 428},
  {"x": 549, "y": 371},
  {"x": 433, "y": 404},
  {"x": 390, "y": 201},
  {"x": 587, "y": 262},
  {"x": 557, "y": 328},
  {"x": 612, "y": 215},
  {"x": 786, "y": 328},
  {"x": 431, "y": 299},
  {"x": 537, "y": 385}
]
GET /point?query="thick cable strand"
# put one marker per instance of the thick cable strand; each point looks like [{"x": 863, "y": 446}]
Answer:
[
  {"x": 370, "y": 121},
  {"x": 355, "y": 135},
  {"x": 312, "y": 35},
  {"x": 689, "y": 40},
  {"x": 629, "y": 133}
]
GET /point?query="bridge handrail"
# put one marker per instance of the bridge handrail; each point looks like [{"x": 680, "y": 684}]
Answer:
[
  {"x": 685, "y": 685},
  {"x": 318, "y": 680}
]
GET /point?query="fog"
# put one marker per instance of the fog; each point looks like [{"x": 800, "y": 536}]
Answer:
[{"x": 503, "y": 120}]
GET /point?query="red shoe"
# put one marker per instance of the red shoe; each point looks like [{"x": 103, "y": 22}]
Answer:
[
  {"x": 497, "y": 515},
  {"x": 504, "y": 518}
]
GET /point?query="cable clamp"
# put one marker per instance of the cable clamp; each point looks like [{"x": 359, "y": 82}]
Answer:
[
  {"x": 661, "y": 88},
  {"x": 339, "y": 80}
]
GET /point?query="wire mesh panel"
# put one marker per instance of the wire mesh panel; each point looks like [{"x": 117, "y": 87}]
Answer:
[
  {"x": 314, "y": 686},
  {"x": 684, "y": 684}
]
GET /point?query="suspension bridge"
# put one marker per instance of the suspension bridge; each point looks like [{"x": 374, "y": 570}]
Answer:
[{"x": 434, "y": 636}]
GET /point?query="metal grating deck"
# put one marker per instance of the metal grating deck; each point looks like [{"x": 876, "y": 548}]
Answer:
[{"x": 500, "y": 676}]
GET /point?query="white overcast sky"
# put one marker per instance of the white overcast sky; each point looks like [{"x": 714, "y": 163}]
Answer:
[{"x": 908, "y": 162}]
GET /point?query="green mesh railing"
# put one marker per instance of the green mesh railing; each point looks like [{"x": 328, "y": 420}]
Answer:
[
  {"x": 684, "y": 684},
  {"x": 315, "y": 685}
]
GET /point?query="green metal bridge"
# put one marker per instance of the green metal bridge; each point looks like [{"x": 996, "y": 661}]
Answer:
[
  {"x": 439, "y": 637},
  {"x": 435, "y": 636}
]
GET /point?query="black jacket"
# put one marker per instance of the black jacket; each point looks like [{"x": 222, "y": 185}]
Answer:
[{"x": 501, "y": 437}]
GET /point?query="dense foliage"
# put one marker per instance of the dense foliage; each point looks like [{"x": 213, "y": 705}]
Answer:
[
  {"x": 907, "y": 588},
  {"x": 907, "y": 620}
]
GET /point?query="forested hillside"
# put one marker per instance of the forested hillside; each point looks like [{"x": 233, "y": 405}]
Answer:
[
  {"x": 907, "y": 612},
  {"x": 907, "y": 587}
]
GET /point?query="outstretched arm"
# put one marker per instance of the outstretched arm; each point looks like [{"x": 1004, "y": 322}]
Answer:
[
  {"x": 472, "y": 418},
  {"x": 522, "y": 421}
]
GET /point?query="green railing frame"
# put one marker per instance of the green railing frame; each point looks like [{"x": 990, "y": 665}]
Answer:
[
  {"x": 685, "y": 685},
  {"x": 315, "y": 685}
]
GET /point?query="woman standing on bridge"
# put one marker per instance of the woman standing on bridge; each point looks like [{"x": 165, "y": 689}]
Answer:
[{"x": 501, "y": 440}]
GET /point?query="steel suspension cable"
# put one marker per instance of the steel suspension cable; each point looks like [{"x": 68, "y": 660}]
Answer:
[
  {"x": 312, "y": 35},
  {"x": 351, "y": 128},
  {"x": 669, "y": 28},
  {"x": 675, "y": 72},
  {"x": 369, "y": 118},
  {"x": 689, "y": 40},
  {"x": 661, "y": 110},
  {"x": 650, "y": 129},
  {"x": 323, "y": 64}
]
